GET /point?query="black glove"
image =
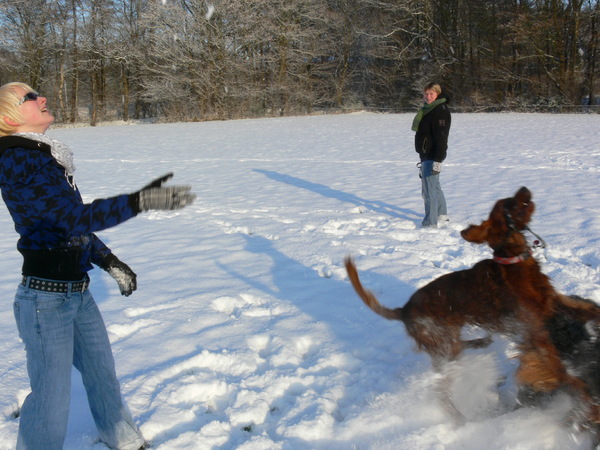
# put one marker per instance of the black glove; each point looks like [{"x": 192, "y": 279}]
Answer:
[
  {"x": 154, "y": 196},
  {"x": 122, "y": 273}
]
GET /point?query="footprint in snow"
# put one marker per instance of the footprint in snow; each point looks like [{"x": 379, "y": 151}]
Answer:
[
  {"x": 247, "y": 305},
  {"x": 121, "y": 331},
  {"x": 142, "y": 311},
  {"x": 229, "y": 228},
  {"x": 279, "y": 351}
]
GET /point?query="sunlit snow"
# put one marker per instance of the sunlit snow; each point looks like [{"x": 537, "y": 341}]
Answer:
[{"x": 244, "y": 331}]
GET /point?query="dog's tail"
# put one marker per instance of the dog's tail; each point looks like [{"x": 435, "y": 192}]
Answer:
[{"x": 367, "y": 296}]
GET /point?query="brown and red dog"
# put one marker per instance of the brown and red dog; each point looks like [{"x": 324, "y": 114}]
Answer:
[{"x": 507, "y": 294}]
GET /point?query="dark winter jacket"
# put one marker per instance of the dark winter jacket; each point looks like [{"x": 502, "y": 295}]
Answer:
[
  {"x": 431, "y": 138},
  {"x": 56, "y": 228}
]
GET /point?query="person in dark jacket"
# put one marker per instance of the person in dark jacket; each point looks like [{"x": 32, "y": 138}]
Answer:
[
  {"x": 55, "y": 312},
  {"x": 432, "y": 126}
]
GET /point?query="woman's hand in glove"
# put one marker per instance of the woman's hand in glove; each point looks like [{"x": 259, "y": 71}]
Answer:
[
  {"x": 156, "y": 197},
  {"x": 122, "y": 273}
]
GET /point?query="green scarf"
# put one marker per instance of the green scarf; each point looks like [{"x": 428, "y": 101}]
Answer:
[{"x": 425, "y": 110}]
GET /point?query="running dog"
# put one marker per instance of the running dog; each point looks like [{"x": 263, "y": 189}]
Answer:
[{"x": 507, "y": 294}]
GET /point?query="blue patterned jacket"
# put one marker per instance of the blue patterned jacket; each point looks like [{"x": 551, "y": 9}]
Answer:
[{"x": 56, "y": 228}]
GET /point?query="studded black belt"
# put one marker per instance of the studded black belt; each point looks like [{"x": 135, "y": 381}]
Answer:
[{"x": 61, "y": 287}]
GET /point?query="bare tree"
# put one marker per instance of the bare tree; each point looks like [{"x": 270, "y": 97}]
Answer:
[
  {"x": 590, "y": 42},
  {"x": 218, "y": 59},
  {"x": 25, "y": 29}
]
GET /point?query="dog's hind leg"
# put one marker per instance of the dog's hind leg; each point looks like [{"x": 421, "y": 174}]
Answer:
[
  {"x": 443, "y": 390},
  {"x": 442, "y": 356}
]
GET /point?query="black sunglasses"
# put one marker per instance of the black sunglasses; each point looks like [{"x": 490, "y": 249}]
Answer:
[{"x": 29, "y": 96}]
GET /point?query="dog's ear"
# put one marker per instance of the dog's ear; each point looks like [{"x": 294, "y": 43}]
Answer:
[
  {"x": 494, "y": 230},
  {"x": 523, "y": 195},
  {"x": 477, "y": 234},
  {"x": 498, "y": 215},
  {"x": 489, "y": 229},
  {"x": 520, "y": 208}
]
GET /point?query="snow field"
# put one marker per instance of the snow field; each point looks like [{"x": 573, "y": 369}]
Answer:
[{"x": 245, "y": 333}]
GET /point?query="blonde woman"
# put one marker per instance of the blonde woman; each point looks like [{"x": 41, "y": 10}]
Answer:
[{"x": 56, "y": 315}]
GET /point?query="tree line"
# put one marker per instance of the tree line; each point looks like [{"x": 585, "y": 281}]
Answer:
[{"x": 219, "y": 59}]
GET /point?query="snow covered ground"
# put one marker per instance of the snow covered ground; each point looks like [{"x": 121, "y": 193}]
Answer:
[{"x": 245, "y": 333}]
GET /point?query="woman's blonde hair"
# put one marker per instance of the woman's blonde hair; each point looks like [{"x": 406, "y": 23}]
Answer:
[
  {"x": 433, "y": 87},
  {"x": 9, "y": 106}
]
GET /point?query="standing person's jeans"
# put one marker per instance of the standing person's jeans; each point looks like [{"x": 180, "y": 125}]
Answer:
[
  {"x": 61, "y": 330},
  {"x": 435, "y": 201}
]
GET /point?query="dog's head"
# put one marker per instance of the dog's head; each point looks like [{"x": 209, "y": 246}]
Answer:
[{"x": 508, "y": 215}]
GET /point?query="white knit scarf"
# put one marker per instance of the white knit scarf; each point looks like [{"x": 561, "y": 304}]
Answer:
[{"x": 61, "y": 152}]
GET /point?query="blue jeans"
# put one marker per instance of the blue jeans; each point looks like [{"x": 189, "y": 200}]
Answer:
[
  {"x": 435, "y": 201},
  {"x": 60, "y": 331}
]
